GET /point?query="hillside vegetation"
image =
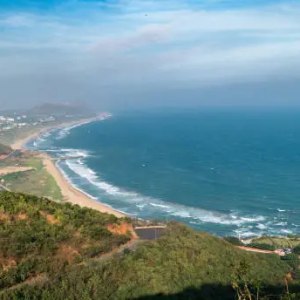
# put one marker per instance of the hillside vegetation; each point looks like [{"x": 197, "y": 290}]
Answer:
[
  {"x": 56, "y": 250},
  {"x": 40, "y": 237},
  {"x": 59, "y": 109},
  {"x": 4, "y": 149}
]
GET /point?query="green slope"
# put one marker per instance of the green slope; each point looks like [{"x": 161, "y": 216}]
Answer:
[
  {"x": 4, "y": 149},
  {"x": 39, "y": 237},
  {"x": 60, "y": 109},
  {"x": 183, "y": 264}
]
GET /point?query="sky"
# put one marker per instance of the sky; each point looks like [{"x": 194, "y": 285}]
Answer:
[{"x": 144, "y": 53}]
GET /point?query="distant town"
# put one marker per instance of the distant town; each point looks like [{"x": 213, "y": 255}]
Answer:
[
  {"x": 10, "y": 122},
  {"x": 41, "y": 116}
]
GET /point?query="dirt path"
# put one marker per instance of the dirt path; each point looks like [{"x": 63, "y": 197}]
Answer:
[
  {"x": 255, "y": 250},
  {"x": 9, "y": 170}
]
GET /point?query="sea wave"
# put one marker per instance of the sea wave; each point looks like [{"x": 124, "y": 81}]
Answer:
[
  {"x": 261, "y": 226},
  {"x": 154, "y": 205},
  {"x": 65, "y": 131},
  {"x": 88, "y": 181}
]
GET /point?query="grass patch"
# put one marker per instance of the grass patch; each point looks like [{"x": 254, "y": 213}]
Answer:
[
  {"x": 38, "y": 182},
  {"x": 278, "y": 242}
]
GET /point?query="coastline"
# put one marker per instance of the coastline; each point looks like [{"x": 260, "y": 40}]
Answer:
[
  {"x": 69, "y": 192},
  {"x": 73, "y": 195},
  {"x": 20, "y": 143}
]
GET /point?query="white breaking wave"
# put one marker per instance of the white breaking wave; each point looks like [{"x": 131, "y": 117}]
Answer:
[
  {"x": 252, "y": 220},
  {"x": 159, "y": 205},
  {"x": 65, "y": 131},
  {"x": 261, "y": 226},
  {"x": 250, "y": 234},
  {"x": 281, "y": 224},
  {"x": 139, "y": 205},
  {"x": 70, "y": 181},
  {"x": 151, "y": 205}
]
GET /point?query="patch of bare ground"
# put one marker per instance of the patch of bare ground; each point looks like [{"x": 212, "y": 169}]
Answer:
[
  {"x": 67, "y": 252},
  {"x": 50, "y": 218},
  {"x": 8, "y": 217},
  {"x": 7, "y": 264},
  {"x": 123, "y": 228},
  {"x": 21, "y": 217}
]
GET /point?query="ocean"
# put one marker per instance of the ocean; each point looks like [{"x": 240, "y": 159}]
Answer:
[{"x": 227, "y": 172}]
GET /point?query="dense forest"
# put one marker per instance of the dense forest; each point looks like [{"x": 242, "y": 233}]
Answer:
[{"x": 57, "y": 251}]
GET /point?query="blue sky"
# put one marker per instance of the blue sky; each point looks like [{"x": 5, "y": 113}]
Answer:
[{"x": 136, "y": 53}]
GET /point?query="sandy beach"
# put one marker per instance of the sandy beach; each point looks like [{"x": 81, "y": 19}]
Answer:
[
  {"x": 69, "y": 193},
  {"x": 73, "y": 195}
]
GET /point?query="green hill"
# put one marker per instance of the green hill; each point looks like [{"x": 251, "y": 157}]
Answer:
[
  {"x": 40, "y": 237},
  {"x": 55, "y": 249},
  {"x": 60, "y": 109}
]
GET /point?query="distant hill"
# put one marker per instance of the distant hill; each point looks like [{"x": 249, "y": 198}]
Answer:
[
  {"x": 46, "y": 250},
  {"x": 4, "y": 149},
  {"x": 60, "y": 109}
]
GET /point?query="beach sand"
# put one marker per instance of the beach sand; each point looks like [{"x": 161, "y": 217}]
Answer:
[
  {"x": 73, "y": 195},
  {"x": 19, "y": 144},
  {"x": 69, "y": 193}
]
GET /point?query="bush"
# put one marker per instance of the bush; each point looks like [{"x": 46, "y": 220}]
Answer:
[
  {"x": 126, "y": 251},
  {"x": 37, "y": 228},
  {"x": 262, "y": 246},
  {"x": 296, "y": 249},
  {"x": 292, "y": 259},
  {"x": 233, "y": 240}
]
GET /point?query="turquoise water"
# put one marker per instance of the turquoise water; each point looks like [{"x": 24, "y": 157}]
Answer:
[{"x": 226, "y": 172}]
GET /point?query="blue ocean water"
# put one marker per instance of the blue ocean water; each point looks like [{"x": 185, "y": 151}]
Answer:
[{"x": 221, "y": 171}]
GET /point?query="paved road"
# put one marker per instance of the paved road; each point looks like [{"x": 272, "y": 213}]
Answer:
[{"x": 149, "y": 233}]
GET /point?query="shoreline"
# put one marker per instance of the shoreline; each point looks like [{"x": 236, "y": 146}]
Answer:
[
  {"x": 72, "y": 194},
  {"x": 69, "y": 192},
  {"x": 21, "y": 143}
]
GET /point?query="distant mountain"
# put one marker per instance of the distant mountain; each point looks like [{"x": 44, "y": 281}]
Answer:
[{"x": 61, "y": 109}]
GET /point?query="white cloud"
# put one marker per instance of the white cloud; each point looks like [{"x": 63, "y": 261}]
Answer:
[
  {"x": 17, "y": 20},
  {"x": 147, "y": 45}
]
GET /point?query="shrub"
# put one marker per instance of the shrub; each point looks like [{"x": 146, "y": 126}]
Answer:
[
  {"x": 292, "y": 259},
  {"x": 126, "y": 251},
  {"x": 262, "y": 246},
  {"x": 296, "y": 249},
  {"x": 233, "y": 240}
]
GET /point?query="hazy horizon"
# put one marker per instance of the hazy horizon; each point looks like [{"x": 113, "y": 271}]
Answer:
[{"x": 132, "y": 54}]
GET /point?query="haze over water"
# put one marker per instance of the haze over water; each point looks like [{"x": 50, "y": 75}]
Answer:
[{"x": 222, "y": 171}]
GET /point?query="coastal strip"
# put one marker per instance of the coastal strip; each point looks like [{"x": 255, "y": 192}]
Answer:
[
  {"x": 21, "y": 143},
  {"x": 73, "y": 195},
  {"x": 69, "y": 192}
]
